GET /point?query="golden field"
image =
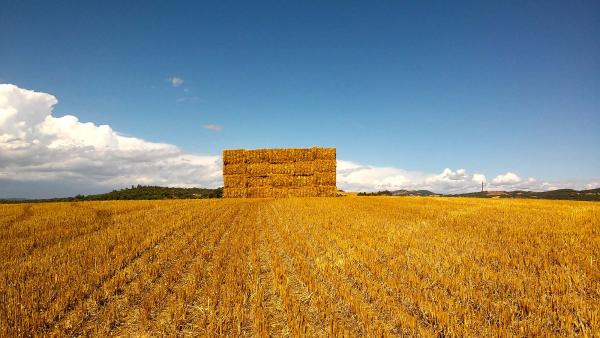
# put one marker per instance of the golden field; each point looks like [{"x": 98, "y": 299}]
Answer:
[{"x": 352, "y": 266}]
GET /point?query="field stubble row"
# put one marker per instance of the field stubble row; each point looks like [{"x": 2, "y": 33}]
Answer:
[{"x": 301, "y": 267}]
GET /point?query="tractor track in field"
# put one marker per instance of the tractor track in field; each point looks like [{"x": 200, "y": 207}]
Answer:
[
  {"x": 100, "y": 285},
  {"x": 410, "y": 307},
  {"x": 25, "y": 214},
  {"x": 275, "y": 317},
  {"x": 149, "y": 255},
  {"x": 106, "y": 278},
  {"x": 213, "y": 267},
  {"x": 106, "y": 219},
  {"x": 191, "y": 259},
  {"x": 343, "y": 319},
  {"x": 33, "y": 249}
]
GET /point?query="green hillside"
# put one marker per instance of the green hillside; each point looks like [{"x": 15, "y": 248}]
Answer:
[{"x": 139, "y": 192}]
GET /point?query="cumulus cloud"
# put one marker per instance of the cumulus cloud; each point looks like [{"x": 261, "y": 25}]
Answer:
[
  {"x": 213, "y": 127},
  {"x": 508, "y": 178},
  {"x": 512, "y": 181},
  {"x": 479, "y": 178},
  {"x": 593, "y": 185},
  {"x": 352, "y": 176},
  {"x": 36, "y": 146},
  {"x": 175, "y": 81}
]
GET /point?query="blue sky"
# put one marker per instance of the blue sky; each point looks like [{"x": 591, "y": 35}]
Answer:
[{"x": 494, "y": 88}]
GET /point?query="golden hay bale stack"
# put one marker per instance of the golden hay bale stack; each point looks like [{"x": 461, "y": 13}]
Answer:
[
  {"x": 324, "y": 166},
  {"x": 325, "y": 178},
  {"x": 234, "y": 156},
  {"x": 303, "y": 167},
  {"x": 281, "y": 155},
  {"x": 282, "y": 168},
  {"x": 303, "y": 154},
  {"x": 234, "y": 193},
  {"x": 279, "y": 172},
  {"x": 278, "y": 180},
  {"x": 259, "y": 192},
  {"x": 281, "y": 192},
  {"x": 259, "y": 181},
  {"x": 234, "y": 169},
  {"x": 302, "y": 181},
  {"x": 258, "y": 155},
  {"x": 234, "y": 181},
  {"x": 304, "y": 192},
  {"x": 258, "y": 169},
  {"x": 326, "y": 191},
  {"x": 324, "y": 153}
]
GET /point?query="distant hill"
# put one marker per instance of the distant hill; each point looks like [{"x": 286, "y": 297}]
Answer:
[
  {"x": 139, "y": 192},
  {"x": 560, "y": 194},
  {"x": 155, "y": 193},
  {"x": 398, "y": 193}
]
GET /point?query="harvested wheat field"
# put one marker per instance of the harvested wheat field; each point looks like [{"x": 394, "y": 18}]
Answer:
[{"x": 347, "y": 266}]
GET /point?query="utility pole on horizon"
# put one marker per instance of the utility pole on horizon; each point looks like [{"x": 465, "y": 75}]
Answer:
[{"x": 481, "y": 186}]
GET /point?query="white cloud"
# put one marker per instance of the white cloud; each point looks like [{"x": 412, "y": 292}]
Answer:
[
  {"x": 506, "y": 179},
  {"x": 213, "y": 127},
  {"x": 479, "y": 178},
  {"x": 512, "y": 181},
  {"x": 592, "y": 185},
  {"x": 175, "y": 81},
  {"x": 36, "y": 146},
  {"x": 352, "y": 176}
]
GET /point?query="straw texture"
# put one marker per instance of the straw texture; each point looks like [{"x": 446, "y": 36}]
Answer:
[{"x": 259, "y": 173}]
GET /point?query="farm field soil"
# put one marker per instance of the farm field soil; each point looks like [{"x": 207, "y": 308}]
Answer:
[{"x": 353, "y": 266}]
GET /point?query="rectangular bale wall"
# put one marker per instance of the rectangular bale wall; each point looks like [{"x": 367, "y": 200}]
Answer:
[{"x": 291, "y": 172}]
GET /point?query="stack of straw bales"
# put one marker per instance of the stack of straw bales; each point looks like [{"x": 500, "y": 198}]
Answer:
[{"x": 302, "y": 172}]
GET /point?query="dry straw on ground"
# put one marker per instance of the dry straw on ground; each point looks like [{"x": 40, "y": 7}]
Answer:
[
  {"x": 301, "y": 267},
  {"x": 302, "y": 172}
]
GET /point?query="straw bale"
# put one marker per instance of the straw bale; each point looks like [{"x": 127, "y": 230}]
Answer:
[
  {"x": 303, "y": 154},
  {"x": 282, "y": 168},
  {"x": 324, "y": 153},
  {"x": 285, "y": 192},
  {"x": 326, "y": 178},
  {"x": 234, "y": 192},
  {"x": 258, "y": 169},
  {"x": 234, "y": 181},
  {"x": 303, "y": 168},
  {"x": 304, "y": 191},
  {"x": 258, "y": 155},
  {"x": 302, "y": 181},
  {"x": 281, "y": 155},
  {"x": 326, "y": 190},
  {"x": 258, "y": 192},
  {"x": 234, "y": 169},
  {"x": 235, "y": 156},
  {"x": 324, "y": 166},
  {"x": 282, "y": 192},
  {"x": 259, "y": 181},
  {"x": 278, "y": 180}
]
